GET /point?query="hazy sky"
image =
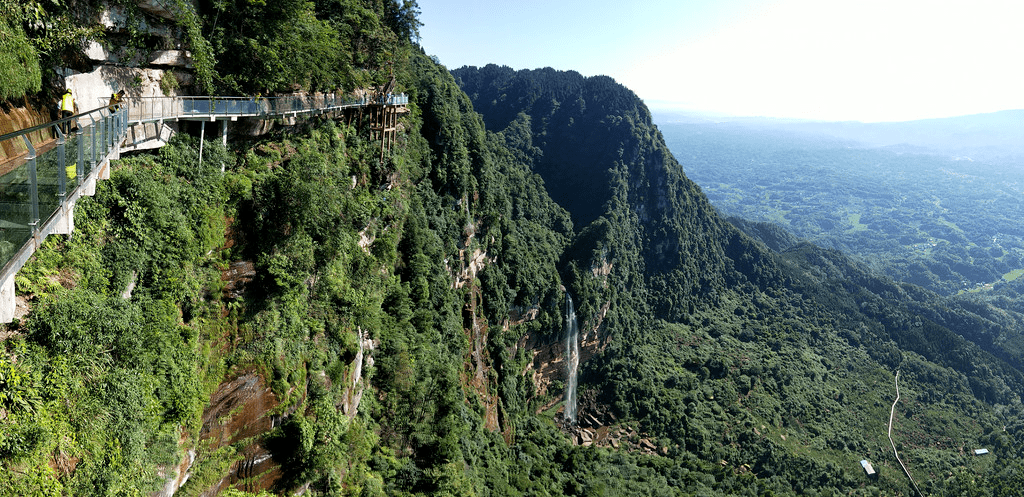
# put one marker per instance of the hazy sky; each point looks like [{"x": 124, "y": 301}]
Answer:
[{"x": 867, "y": 60}]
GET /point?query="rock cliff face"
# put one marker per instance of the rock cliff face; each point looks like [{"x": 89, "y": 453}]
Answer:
[
  {"x": 549, "y": 355},
  {"x": 163, "y": 9},
  {"x": 26, "y": 115},
  {"x": 116, "y": 68},
  {"x": 162, "y": 70},
  {"x": 235, "y": 424},
  {"x": 108, "y": 67},
  {"x": 239, "y": 412}
]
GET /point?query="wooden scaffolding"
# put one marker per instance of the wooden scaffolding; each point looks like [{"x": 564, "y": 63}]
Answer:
[
  {"x": 381, "y": 118},
  {"x": 384, "y": 124}
]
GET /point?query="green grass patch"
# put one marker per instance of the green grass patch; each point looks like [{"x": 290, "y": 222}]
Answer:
[
  {"x": 552, "y": 411},
  {"x": 1013, "y": 275},
  {"x": 854, "y": 219},
  {"x": 949, "y": 224}
]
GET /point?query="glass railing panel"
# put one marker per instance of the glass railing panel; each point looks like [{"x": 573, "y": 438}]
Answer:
[
  {"x": 47, "y": 170},
  {"x": 197, "y": 106},
  {"x": 88, "y": 147},
  {"x": 36, "y": 178},
  {"x": 15, "y": 208},
  {"x": 79, "y": 154},
  {"x": 241, "y": 106},
  {"x": 274, "y": 106}
]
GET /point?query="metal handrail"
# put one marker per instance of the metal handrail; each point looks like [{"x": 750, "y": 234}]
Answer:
[
  {"x": 149, "y": 109},
  {"x": 267, "y": 103},
  {"x": 15, "y": 134},
  {"x": 39, "y": 174},
  {"x": 36, "y": 181}
]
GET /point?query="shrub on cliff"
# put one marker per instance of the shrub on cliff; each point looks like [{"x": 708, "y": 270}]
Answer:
[{"x": 19, "y": 63}]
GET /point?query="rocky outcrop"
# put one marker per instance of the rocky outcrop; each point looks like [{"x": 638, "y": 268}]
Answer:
[
  {"x": 597, "y": 426},
  {"x": 168, "y": 67},
  {"x": 172, "y": 58},
  {"x": 519, "y": 315},
  {"x": 13, "y": 119},
  {"x": 237, "y": 277},
  {"x": 239, "y": 412},
  {"x": 180, "y": 475},
  {"x": 356, "y": 385},
  {"x": 93, "y": 89},
  {"x": 114, "y": 18},
  {"x": 548, "y": 350},
  {"x": 164, "y": 9},
  {"x": 96, "y": 52}
]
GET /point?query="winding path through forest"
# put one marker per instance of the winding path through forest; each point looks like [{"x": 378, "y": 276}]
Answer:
[{"x": 892, "y": 413}]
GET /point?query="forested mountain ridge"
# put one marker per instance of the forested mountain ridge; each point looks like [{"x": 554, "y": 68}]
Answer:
[
  {"x": 947, "y": 225},
  {"x": 316, "y": 320},
  {"x": 722, "y": 286},
  {"x": 593, "y": 135}
]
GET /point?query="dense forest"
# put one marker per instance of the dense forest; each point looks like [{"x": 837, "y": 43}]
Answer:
[
  {"x": 311, "y": 318},
  {"x": 944, "y": 222}
]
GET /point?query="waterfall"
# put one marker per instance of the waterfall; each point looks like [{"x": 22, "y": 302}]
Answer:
[{"x": 572, "y": 358}]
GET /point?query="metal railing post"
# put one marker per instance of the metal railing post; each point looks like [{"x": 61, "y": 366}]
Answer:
[
  {"x": 117, "y": 129},
  {"x": 108, "y": 134},
  {"x": 108, "y": 130},
  {"x": 92, "y": 135},
  {"x": 33, "y": 187},
  {"x": 62, "y": 172},
  {"x": 119, "y": 119},
  {"x": 80, "y": 165},
  {"x": 103, "y": 137}
]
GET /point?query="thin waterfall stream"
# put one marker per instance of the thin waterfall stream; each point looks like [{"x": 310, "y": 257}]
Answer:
[{"x": 572, "y": 358}]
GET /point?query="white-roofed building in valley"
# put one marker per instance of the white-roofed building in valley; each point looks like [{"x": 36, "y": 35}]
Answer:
[{"x": 870, "y": 471}]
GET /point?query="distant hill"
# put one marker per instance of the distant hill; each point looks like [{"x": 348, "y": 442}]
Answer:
[{"x": 996, "y": 135}]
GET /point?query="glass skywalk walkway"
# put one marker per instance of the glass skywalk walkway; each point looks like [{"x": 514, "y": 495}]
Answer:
[{"x": 45, "y": 169}]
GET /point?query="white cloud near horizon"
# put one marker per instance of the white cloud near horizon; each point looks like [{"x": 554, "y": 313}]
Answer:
[
  {"x": 867, "y": 60},
  {"x": 839, "y": 60}
]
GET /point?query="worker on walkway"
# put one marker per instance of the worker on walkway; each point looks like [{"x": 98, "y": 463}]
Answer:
[
  {"x": 257, "y": 102},
  {"x": 68, "y": 108},
  {"x": 115, "y": 101}
]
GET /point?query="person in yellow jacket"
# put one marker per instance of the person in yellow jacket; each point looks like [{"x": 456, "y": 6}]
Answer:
[
  {"x": 115, "y": 101},
  {"x": 68, "y": 108}
]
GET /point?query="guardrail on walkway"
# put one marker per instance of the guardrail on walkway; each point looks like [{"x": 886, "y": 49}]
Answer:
[
  {"x": 151, "y": 109},
  {"x": 45, "y": 169}
]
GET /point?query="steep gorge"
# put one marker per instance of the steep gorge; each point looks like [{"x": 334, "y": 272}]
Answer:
[
  {"x": 432, "y": 287},
  {"x": 686, "y": 265}
]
